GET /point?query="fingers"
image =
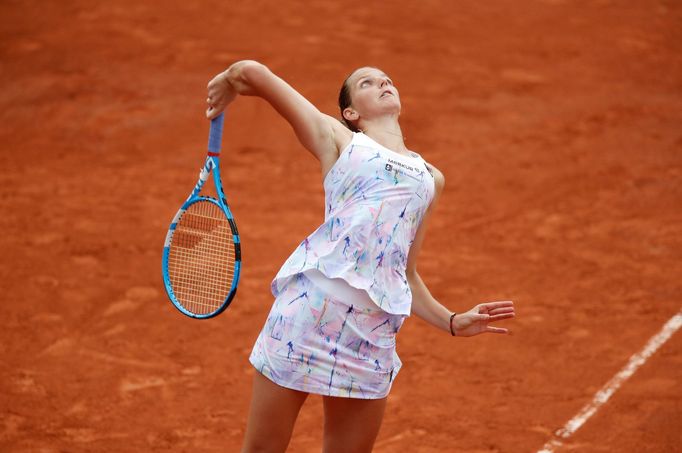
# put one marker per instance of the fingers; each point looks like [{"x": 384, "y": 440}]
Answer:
[
  {"x": 501, "y": 317},
  {"x": 489, "y": 318},
  {"x": 219, "y": 95},
  {"x": 497, "y": 304},
  {"x": 215, "y": 106},
  {"x": 499, "y": 311},
  {"x": 213, "y": 98},
  {"x": 213, "y": 112},
  {"x": 496, "y": 308},
  {"x": 498, "y": 314},
  {"x": 497, "y": 330}
]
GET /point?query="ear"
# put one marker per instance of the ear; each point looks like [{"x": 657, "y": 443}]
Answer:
[{"x": 350, "y": 115}]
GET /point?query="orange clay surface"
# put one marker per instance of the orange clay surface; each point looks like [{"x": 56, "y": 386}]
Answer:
[{"x": 556, "y": 123}]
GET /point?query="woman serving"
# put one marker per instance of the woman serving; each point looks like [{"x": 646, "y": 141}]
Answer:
[{"x": 343, "y": 294}]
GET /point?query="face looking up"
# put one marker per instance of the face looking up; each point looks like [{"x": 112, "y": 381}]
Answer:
[{"x": 372, "y": 94}]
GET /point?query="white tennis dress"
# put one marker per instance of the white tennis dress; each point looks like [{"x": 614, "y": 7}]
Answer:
[{"x": 342, "y": 295}]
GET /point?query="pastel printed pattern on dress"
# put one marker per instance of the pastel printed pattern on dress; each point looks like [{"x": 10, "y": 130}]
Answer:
[
  {"x": 316, "y": 343},
  {"x": 375, "y": 200}
]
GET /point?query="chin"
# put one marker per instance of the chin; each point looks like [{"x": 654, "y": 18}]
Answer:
[{"x": 393, "y": 107}]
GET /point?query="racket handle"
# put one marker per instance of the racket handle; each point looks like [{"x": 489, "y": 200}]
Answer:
[{"x": 215, "y": 135}]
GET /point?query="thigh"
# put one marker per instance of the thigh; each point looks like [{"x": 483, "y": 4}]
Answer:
[
  {"x": 351, "y": 424},
  {"x": 272, "y": 416}
]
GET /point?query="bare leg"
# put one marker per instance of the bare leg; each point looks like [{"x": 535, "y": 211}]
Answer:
[
  {"x": 272, "y": 416},
  {"x": 351, "y": 424}
]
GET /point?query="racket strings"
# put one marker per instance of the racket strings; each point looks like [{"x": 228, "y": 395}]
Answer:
[{"x": 201, "y": 260}]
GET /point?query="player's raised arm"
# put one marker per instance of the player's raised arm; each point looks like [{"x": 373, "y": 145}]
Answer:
[{"x": 317, "y": 132}]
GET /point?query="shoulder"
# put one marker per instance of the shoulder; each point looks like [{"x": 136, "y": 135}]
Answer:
[{"x": 438, "y": 177}]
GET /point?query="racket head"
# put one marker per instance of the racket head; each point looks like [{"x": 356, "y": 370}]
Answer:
[{"x": 202, "y": 258}]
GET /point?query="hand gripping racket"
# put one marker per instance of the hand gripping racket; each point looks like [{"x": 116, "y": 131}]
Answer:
[{"x": 202, "y": 253}]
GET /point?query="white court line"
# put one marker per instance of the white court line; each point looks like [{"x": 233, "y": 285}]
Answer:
[{"x": 603, "y": 395}]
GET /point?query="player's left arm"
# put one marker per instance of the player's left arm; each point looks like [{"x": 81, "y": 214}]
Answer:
[{"x": 425, "y": 306}]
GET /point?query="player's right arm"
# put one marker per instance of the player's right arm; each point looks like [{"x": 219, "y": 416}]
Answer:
[{"x": 320, "y": 134}]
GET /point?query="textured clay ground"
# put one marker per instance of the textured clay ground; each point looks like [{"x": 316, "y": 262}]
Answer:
[{"x": 556, "y": 123}]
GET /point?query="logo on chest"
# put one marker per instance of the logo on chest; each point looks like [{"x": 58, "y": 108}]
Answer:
[{"x": 391, "y": 163}]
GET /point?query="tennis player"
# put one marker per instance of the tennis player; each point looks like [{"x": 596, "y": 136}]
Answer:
[{"x": 343, "y": 294}]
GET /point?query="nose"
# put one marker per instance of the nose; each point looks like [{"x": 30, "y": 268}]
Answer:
[{"x": 384, "y": 81}]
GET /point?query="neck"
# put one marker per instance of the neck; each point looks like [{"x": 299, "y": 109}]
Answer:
[{"x": 387, "y": 132}]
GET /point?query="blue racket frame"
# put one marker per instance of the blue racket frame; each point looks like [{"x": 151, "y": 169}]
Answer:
[{"x": 212, "y": 165}]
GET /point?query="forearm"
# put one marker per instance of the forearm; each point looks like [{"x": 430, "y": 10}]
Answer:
[
  {"x": 425, "y": 306},
  {"x": 314, "y": 130}
]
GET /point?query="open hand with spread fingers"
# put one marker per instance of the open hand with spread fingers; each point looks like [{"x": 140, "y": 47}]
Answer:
[{"x": 477, "y": 320}]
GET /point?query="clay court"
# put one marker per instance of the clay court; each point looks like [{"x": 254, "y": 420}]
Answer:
[{"x": 557, "y": 125}]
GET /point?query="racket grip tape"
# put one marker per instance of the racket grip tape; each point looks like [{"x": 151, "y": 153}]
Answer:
[{"x": 215, "y": 135}]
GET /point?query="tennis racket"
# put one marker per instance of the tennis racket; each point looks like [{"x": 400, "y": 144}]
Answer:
[{"x": 202, "y": 253}]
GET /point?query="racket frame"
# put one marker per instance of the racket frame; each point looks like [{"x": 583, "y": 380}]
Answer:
[{"x": 212, "y": 166}]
